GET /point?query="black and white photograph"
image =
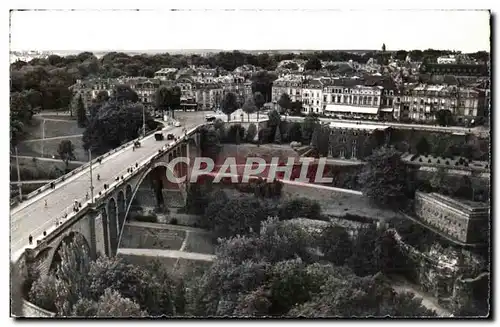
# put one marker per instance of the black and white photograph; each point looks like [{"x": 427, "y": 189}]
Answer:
[{"x": 217, "y": 163}]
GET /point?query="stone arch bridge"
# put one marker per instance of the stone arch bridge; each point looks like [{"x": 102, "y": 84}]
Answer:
[{"x": 98, "y": 226}]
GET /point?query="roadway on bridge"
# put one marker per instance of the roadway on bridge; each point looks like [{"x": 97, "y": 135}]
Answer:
[{"x": 32, "y": 217}]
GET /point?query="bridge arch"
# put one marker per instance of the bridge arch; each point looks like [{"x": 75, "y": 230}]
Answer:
[
  {"x": 122, "y": 207},
  {"x": 113, "y": 225},
  {"x": 71, "y": 237},
  {"x": 105, "y": 229},
  {"x": 137, "y": 186},
  {"x": 128, "y": 195}
]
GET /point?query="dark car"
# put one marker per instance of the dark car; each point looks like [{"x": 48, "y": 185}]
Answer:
[
  {"x": 159, "y": 136},
  {"x": 170, "y": 137}
]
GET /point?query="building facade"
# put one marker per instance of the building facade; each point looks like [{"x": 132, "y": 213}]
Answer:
[
  {"x": 208, "y": 96},
  {"x": 355, "y": 141},
  {"x": 291, "y": 85},
  {"x": 352, "y": 101},
  {"x": 146, "y": 90},
  {"x": 312, "y": 96},
  {"x": 465, "y": 221},
  {"x": 422, "y": 102}
]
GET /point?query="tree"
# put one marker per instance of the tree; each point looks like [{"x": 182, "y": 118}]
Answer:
[
  {"x": 383, "y": 47},
  {"x": 235, "y": 216},
  {"x": 335, "y": 244},
  {"x": 277, "y": 135},
  {"x": 115, "y": 123},
  {"x": 229, "y": 104},
  {"x": 251, "y": 132},
  {"x": 112, "y": 304},
  {"x": 66, "y": 151},
  {"x": 168, "y": 98},
  {"x": 209, "y": 142},
  {"x": 146, "y": 285},
  {"x": 80, "y": 112},
  {"x": 102, "y": 96},
  {"x": 274, "y": 119},
  {"x": 423, "y": 147},
  {"x": 346, "y": 295},
  {"x": 299, "y": 207},
  {"x": 123, "y": 93},
  {"x": 384, "y": 178},
  {"x": 249, "y": 107},
  {"x": 285, "y": 102},
  {"x": 259, "y": 101},
  {"x": 72, "y": 277},
  {"x": 308, "y": 126},
  {"x": 262, "y": 82},
  {"x": 291, "y": 65},
  {"x": 295, "y": 132},
  {"x": 296, "y": 108},
  {"x": 444, "y": 117},
  {"x": 313, "y": 64}
]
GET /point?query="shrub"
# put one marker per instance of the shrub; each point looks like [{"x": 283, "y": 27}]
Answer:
[
  {"x": 420, "y": 159},
  {"x": 300, "y": 208},
  {"x": 429, "y": 161},
  {"x": 147, "y": 218},
  {"x": 173, "y": 221},
  {"x": 251, "y": 132},
  {"x": 265, "y": 135}
]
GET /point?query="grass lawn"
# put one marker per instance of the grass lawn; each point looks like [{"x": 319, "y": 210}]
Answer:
[
  {"x": 34, "y": 149},
  {"x": 52, "y": 128},
  {"x": 38, "y": 169}
]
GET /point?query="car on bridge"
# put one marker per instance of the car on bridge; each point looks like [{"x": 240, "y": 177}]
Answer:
[{"x": 159, "y": 136}]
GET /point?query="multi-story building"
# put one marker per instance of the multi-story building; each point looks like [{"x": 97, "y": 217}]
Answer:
[
  {"x": 351, "y": 98},
  {"x": 185, "y": 83},
  {"x": 355, "y": 140},
  {"x": 88, "y": 89},
  {"x": 466, "y": 221},
  {"x": 236, "y": 84},
  {"x": 291, "y": 85},
  {"x": 146, "y": 89},
  {"x": 447, "y": 60},
  {"x": 166, "y": 74},
  {"x": 312, "y": 96},
  {"x": 422, "y": 102},
  {"x": 208, "y": 95},
  {"x": 459, "y": 70}
]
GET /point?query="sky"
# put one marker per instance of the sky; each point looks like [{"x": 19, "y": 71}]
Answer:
[{"x": 466, "y": 31}]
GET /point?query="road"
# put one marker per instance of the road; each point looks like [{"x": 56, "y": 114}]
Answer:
[
  {"x": 450, "y": 129},
  {"x": 32, "y": 217}
]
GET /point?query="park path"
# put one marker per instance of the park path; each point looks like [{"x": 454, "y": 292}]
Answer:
[
  {"x": 175, "y": 254},
  {"x": 48, "y": 159},
  {"x": 428, "y": 301},
  {"x": 54, "y": 138}
]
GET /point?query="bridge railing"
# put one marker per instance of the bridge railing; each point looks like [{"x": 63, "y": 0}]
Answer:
[
  {"x": 122, "y": 179},
  {"x": 77, "y": 170}
]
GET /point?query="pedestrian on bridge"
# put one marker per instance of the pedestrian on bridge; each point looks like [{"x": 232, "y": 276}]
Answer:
[
  {"x": 45, "y": 203},
  {"x": 30, "y": 238},
  {"x": 87, "y": 196}
]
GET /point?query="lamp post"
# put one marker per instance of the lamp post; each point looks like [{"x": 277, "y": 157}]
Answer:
[
  {"x": 143, "y": 120},
  {"x": 19, "y": 185},
  {"x": 91, "y": 179},
  {"x": 43, "y": 135}
]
